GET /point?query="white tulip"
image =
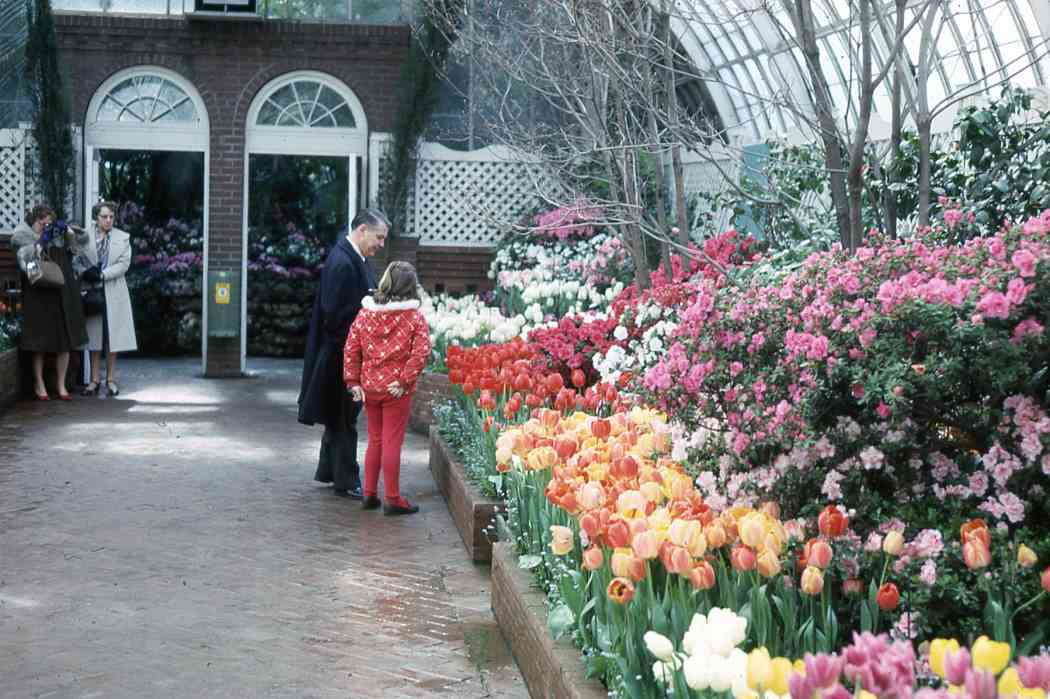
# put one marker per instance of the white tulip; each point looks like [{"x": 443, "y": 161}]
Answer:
[
  {"x": 660, "y": 646},
  {"x": 697, "y": 672}
]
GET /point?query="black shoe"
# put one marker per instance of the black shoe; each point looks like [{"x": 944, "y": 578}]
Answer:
[
  {"x": 401, "y": 507},
  {"x": 352, "y": 493},
  {"x": 371, "y": 502}
]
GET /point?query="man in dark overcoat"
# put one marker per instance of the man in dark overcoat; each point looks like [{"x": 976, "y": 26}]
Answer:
[{"x": 346, "y": 279}]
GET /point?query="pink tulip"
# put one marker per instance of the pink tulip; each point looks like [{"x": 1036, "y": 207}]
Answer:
[
  {"x": 1035, "y": 672},
  {"x": 955, "y": 666},
  {"x": 823, "y": 669},
  {"x": 980, "y": 684}
]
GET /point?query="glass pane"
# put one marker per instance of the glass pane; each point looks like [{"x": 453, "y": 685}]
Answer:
[
  {"x": 185, "y": 112},
  {"x": 307, "y": 91},
  {"x": 77, "y": 5},
  {"x": 108, "y": 110},
  {"x": 329, "y": 98},
  {"x": 147, "y": 7},
  {"x": 344, "y": 117},
  {"x": 135, "y": 111},
  {"x": 268, "y": 114},
  {"x": 283, "y": 97},
  {"x": 290, "y": 116}
]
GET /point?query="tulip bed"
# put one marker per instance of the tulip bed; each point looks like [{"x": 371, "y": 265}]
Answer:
[{"x": 828, "y": 479}]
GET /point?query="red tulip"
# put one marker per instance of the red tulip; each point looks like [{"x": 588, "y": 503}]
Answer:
[
  {"x": 578, "y": 378},
  {"x": 469, "y": 388},
  {"x": 832, "y": 522},
  {"x": 601, "y": 429},
  {"x": 618, "y": 534},
  {"x": 888, "y": 597},
  {"x": 555, "y": 383},
  {"x": 565, "y": 446},
  {"x": 610, "y": 395},
  {"x": 533, "y": 401},
  {"x": 620, "y": 590}
]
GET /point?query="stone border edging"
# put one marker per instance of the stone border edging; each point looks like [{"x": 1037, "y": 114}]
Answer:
[
  {"x": 552, "y": 669},
  {"x": 10, "y": 378},
  {"x": 471, "y": 512}
]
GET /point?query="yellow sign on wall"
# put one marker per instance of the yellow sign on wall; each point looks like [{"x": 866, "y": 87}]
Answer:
[{"x": 222, "y": 293}]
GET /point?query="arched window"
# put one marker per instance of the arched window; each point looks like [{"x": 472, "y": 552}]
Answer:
[
  {"x": 147, "y": 99},
  {"x": 306, "y": 102}
]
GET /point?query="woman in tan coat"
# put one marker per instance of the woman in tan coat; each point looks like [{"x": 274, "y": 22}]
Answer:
[{"x": 112, "y": 330}]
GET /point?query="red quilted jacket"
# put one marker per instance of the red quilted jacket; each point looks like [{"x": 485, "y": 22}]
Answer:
[{"x": 387, "y": 342}]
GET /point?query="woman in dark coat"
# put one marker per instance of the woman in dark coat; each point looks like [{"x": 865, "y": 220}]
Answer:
[{"x": 52, "y": 317}]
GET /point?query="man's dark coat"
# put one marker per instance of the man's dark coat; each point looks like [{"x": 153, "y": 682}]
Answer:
[{"x": 345, "y": 280}]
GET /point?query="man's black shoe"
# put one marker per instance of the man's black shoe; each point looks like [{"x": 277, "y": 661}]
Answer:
[
  {"x": 352, "y": 493},
  {"x": 371, "y": 503}
]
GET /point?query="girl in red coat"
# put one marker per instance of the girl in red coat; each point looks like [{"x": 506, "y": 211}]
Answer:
[{"x": 386, "y": 350}]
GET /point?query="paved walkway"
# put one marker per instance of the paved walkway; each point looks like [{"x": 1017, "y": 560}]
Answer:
[{"x": 171, "y": 543}]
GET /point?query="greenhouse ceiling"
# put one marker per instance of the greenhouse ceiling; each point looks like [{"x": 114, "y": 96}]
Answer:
[{"x": 749, "y": 58}]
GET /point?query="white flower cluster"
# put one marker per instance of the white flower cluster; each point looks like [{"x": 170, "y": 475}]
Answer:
[
  {"x": 467, "y": 321},
  {"x": 553, "y": 275},
  {"x": 710, "y": 658},
  {"x": 641, "y": 353}
]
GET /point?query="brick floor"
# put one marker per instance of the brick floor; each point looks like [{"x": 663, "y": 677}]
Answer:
[{"x": 171, "y": 543}]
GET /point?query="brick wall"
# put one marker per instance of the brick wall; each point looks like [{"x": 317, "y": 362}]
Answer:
[{"x": 228, "y": 62}]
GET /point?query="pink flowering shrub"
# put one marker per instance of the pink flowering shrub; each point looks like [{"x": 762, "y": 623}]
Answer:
[
  {"x": 910, "y": 378},
  {"x": 575, "y": 220}
]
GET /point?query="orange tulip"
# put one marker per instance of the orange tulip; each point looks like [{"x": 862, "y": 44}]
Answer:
[
  {"x": 1045, "y": 579},
  {"x": 676, "y": 559},
  {"x": 620, "y": 590},
  {"x": 565, "y": 447},
  {"x": 591, "y": 525},
  {"x": 702, "y": 576},
  {"x": 601, "y": 430},
  {"x": 716, "y": 535},
  {"x": 541, "y": 458},
  {"x": 812, "y": 582},
  {"x": 593, "y": 558},
  {"x": 832, "y": 522},
  {"x": 770, "y": 509},
  {"x": 888, "y": 597},
  {"x": 818, "y": 553},
  {"x": 742, "y": 558},
  {"x": 976, "y": 529},
  {"x": 620, "y": 563},
  {"x": 767, "y": 564},
  {"x": 976, "y": 554}
]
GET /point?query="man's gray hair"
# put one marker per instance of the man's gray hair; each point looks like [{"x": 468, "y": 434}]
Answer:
[{"x": 370, "y": 217}]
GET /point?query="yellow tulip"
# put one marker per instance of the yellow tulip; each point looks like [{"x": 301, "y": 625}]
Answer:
[
  {"x": 562, "y": 540},
  {"x": 753, "y": 529},
  {"x": 939, "y": 649},
  {"x": 1010, "y": 685},
  {"x": 865, "y": 694},
  {"x": 759, "y": 669},
  {"x": 1026, "y": 557},
  {"x": 990, "y": 655},
  {"x": 893, "y": 544},
  {"x": 782, "y": 671},
  {"x": 799, "y": 667}
]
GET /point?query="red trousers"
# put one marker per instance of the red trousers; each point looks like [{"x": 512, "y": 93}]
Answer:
[{"x": 387, "y": 419}]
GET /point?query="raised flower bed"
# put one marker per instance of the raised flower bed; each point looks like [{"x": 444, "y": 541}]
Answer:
[
  {"x": 473, "y": 513},
  {"x": 10, "y": 381},
  {"x": 550, "y": 668},
  {"x": 431, "y": 389}
]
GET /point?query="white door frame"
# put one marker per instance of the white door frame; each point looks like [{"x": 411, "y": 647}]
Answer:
[
  {"x": 281, "y": 140},
  {"x": 163, "y": 136}
]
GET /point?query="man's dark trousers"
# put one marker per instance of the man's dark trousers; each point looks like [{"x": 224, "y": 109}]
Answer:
[{"x": 338, "y": 461}]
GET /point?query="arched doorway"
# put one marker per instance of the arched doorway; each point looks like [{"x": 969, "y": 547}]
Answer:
[
  {"x": 306, "y": 151},
  {"x": 146, "y": 143}
]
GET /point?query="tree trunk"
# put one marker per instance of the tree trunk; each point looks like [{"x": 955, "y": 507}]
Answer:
[
  {"x": 833, "y": 160},
  {"x": 924, "y": 127},
  {"x": 890, "y": 196}
]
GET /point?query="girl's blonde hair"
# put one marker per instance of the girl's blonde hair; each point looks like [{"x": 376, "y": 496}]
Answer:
[{"x": 399, "y": 283}]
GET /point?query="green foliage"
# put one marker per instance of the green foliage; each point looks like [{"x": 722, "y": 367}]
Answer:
[
  {"x": 49, "y": 106},
  {"x": 461, "y": 429}
]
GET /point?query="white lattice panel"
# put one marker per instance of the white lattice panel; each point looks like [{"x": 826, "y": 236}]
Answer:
[
  {"x": 467, "y": 199},
  {"x": 34, "y": 190},
  {"x": 12, "y": 178}
]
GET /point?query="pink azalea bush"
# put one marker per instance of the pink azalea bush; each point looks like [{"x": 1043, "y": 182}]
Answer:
[{"x": 909, "y": 377}]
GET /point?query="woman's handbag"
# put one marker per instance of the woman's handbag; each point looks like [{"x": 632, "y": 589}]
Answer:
[
  {"x": 47, "y": 273},
  {"x": 94, "y": 300}
]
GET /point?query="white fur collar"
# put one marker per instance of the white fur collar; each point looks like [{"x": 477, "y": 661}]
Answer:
[{"x": 370, "y": 303}]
